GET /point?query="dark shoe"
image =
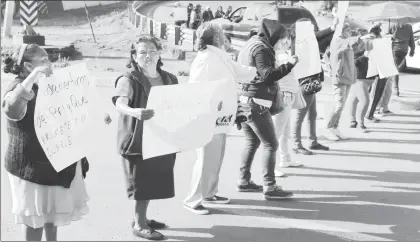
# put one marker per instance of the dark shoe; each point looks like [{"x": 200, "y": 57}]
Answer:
[
  {"x": 319, "y": 147},
  {"x": 217, "y": 200},
  {"x": 149, "y": 234},
  {"x": 250, "y": 187},
  {"x": 302, "y": 151},
  {"x": 153, "y": 224},
  {"x": 353, "y": 124},
  {"x": 276, "y": 192},
  {"x": 200, "y": 209}
]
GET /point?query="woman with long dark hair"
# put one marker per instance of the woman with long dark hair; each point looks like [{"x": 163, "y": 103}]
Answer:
[{"x": 153, "y": 178}]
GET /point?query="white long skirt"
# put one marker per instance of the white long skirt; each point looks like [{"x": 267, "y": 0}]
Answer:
[{"x": 35, "y": 205}]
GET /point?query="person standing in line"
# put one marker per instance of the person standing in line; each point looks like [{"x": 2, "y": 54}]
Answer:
[
  {"x": 289, "y": 89},
  {"x": 179, "y": 14},
  {"x": 256, "y": 99},
  {"x": 344, "y": 74},
  {"x": 211, "y": 64},
  {"x": 219, "y": 13},
  {"x": 190, "y": 9},
  {"x": 402, "y": 40},
  {"x": 310, "y": 86},
  {"x": 196, "y": 17},
  {"x": 208, "y": 15},
  {"x": 153, "y": 178},
  {"x": 228, "y": 47},
  {"x": 42, "y": 197}
]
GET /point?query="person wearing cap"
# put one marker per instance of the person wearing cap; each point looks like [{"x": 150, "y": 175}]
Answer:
[
  {"x": 344, "y": 74},
  {"x": 196, "y": 17},
  {"x": 208, "y": 15},
  {"x": 211, "y": 64},
  {"x": 258, "y": 103},
  {"x": 179, "y": 14}
]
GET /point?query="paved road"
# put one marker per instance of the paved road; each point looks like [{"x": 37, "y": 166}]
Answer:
[{"x": 364, "y": 189}]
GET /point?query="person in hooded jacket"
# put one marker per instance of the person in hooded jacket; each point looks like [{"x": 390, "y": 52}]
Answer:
[{"x": 256, "y": 99}]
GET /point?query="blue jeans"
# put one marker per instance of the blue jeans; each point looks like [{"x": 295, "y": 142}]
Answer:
[
  {"x": 341, "y": 92},
  {"x": 259, "y": 129}
]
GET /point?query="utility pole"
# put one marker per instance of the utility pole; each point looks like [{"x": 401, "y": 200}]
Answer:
[{"x": 8, "y": 19}]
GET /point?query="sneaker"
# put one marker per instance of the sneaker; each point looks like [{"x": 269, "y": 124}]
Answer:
[
  {"x": 276, "y": 192},
  {"x": 362, "y": 129},
  {"x": 250, "y": 187},
  {"x": 200, "y": 209},
  {"x": 148, "y": 234},
  {"x": 340, "y": 135},
  {"x": 372, "y": 120},
  {"x": 217, "y": 200},
  {"x": 302, "y": 151},
  {"x": 385, "y": 113},
  {"x": 278, "y": 173},
  {"x": 330, "y": 135},
  {"x": 318, "y": 146},
  {"x": 290, "y": 164},
  {"x": 353, "y": 124}
]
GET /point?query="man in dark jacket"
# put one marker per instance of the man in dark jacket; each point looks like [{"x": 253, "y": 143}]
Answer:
[
  {"x": 256, "y": 100},
  {"x": 207, "y": 15}
]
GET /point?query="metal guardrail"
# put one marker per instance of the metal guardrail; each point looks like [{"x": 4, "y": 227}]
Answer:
[{"x": 181, "y": 37}]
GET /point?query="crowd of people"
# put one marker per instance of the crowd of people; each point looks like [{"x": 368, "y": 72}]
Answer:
[
  {"x": 193, "y": 16},
  {"x": 263, "y": 75}
]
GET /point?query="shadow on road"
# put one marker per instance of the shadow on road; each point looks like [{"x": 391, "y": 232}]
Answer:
[{"x": 386, "y": 155}]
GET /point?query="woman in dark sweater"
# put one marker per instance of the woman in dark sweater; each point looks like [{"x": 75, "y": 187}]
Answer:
[
  {"x": 42, "y": 198},
  {"x": 153, "y": 178},
  {"x": 256, "y": 99}
]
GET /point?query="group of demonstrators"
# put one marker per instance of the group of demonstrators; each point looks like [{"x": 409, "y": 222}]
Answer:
[
  {"x": 267, "y": 89},
  {"x": 194, "y": 16}
]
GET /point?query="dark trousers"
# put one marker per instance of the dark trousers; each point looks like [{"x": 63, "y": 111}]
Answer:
[
  {"x": 399, "y": 57},
  {"x": 377, "y": 89},
  {"x": 310, "y": 109},
  {"x": 259, "y": 129}
]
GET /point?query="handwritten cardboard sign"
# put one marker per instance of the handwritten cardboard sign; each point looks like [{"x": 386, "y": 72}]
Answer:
[
  {"x": 62, "y": 115},
  {"x": 381, "y": 60},
  {"x": 185, "y": 117},
  {"x": 306, "y": 47}
]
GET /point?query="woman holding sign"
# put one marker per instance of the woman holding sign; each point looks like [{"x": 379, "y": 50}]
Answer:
[
  {"x": 213, "y": 64},
  {"x": 42, "y": 198},
  {"x": 152, "y": 178}
]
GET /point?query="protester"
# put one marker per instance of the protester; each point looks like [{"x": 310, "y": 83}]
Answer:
[
  {"x": 359, "y": 93},
  {"x": 196, "y": 17},
  {"x": 228, "y": 47},
  {"x": 256, "y": 99},
  {"x": 190, "y": 9},
  {"x": 402, "y": 41},
  {"x": 289, "y": 89},
  {"x": 343, "y": 74},
  {"x": 310, "y": 86},
  {"x": 219, "y": 13},
  {"x": 207, "y": 15},
  {"x": 153, "y": 178},
  {"x": 212, "y": 64},
  {"x": 228, "y": 12},
  {"x": 42, "y": 198},
  {"x": 378, "y": 86},
  {"x": 179, "y": 14}
]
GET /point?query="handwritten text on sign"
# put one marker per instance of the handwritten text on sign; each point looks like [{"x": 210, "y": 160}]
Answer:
[
  {"x": 307, "y": 49},
  {"x": 61, "y": 114}
]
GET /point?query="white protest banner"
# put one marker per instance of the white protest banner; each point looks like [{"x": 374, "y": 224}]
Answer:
[
  {"x": 227, "y": 115},
  {"x": 306, "y": 47},
  {"x": 184, "y": 118},
  {"x": 341, "y": 15},
  {"x": 61, "y": 114},
  {"x": 386, "y": 64},
  {"x": 372, "y": 64}
]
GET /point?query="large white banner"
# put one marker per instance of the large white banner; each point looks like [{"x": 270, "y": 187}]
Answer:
[
  {"x": 381, "y": 60},
  {"x": 341, "y": 14},
  {"x": 185, "y": 117},
  {"x": 62, "y": 115},
  {"x": 306, "y": 47}
]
